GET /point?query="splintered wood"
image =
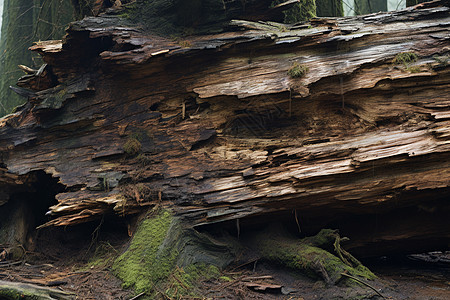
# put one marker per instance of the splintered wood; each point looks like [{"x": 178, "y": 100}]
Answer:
[{"x": 215, "y": 128}]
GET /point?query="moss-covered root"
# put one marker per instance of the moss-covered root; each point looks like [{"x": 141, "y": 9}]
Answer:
[
  {"x": 166, "y": 258},
  {"x": 317, "y": 256},
  {"x": 15, "y": 290}
]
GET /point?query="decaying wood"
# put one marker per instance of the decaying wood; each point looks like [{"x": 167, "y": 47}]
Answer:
[
  {"x": 222, "y": 132},
  {"x": 15, "y": 290}
]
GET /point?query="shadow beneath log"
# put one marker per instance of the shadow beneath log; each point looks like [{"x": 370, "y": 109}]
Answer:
[{"x": 26, "y": 209}]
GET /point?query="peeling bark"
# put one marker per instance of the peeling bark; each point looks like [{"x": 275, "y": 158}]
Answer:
[{"x": 221, "y": 131}]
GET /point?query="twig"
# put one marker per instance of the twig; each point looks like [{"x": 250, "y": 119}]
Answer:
[
  {"x": 244, "y": 264},
  {"x": 366, "y": 284},
  {"x": 230, "y": 283},
  {"x": 183, "y": 110},
  {"x": 137, "y": 296},
  {"x": 238, "y": 228},
  {"x": 94, "y": 235},
  {"x": 79, "y": 273},
  {"x": 257, "y": 277},
  {"x": 290, "y": 103},
  {"x": 179, "y": 281},
  {"x": 296, "y": 220},
  {"x": 31, "y": 275},
  {"x": 165, "y": 296},
  {"x": 56, "y": 283},
  {"x": 9, "y": 264}
]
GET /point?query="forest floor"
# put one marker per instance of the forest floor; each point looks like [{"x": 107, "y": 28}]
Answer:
[{"x": 82, "y": 267}]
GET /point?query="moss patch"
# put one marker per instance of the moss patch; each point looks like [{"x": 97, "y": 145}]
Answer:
[
  {"x": 145, "y": 263},
  {"x": 166, "y": 258},
  {"x": 132, "y": 146},
  {"x": 183, "y": 281},
  {"x": 297, "y": 70},
  {"x": 317, "y": 256},
  {"x": 405, "y": 58}
]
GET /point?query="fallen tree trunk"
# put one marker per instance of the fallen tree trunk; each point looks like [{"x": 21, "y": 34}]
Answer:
[{"x": 338, "y": 122}]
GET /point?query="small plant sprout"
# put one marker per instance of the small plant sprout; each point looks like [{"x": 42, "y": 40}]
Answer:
[
  {"x": 405, "y": 58},
  {"x": 297, "y": 70}
]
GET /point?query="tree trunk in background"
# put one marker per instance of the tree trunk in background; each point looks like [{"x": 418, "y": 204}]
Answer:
[
  {"x": 300, "y": 12},
  {"x": 415, "y": 2},
  {"x": 25, "y": 22},
  {"x": 363, "y": 7},
  {"x": 330, "y": 8}
]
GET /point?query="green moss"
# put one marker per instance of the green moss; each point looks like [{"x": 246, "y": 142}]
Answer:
[
  {"x": 306, "y": 256},
  {"x": 128, "y": 10},
  {"x": 300, "y": 12},
  {"x": 146, "y": 263},
  {"x": 164, "y": 258},
  {"x": 225, "y": 278},
  {"x": 405, "y": 58},
  {"x": 183, "y": 282},
  {"x": 132, "y": 146},
  {"x": 413, "y": 69},
  {"x": 297, "y": 70}
]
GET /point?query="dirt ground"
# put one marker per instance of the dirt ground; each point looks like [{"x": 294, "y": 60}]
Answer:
[
  {"x": 398, "y": 279},
  {"x": 72, "y": 264},
  {"x": 242, "y": 283}
]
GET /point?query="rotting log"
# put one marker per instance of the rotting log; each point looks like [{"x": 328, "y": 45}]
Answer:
[{"x": 220, "y": 127}]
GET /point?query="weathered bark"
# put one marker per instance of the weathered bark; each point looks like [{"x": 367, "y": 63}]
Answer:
[{"x": 215, "y": 128}]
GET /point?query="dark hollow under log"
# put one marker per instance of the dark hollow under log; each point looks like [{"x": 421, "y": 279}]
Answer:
[{"x": 324, "y": 124}]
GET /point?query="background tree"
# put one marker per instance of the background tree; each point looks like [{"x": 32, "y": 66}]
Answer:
[
  {"x": 25, "y": 22},
  {"x": 369, "y": 6},
  {"x": 414, "y": 2},
  {"x": 329, "y": 8}
]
